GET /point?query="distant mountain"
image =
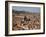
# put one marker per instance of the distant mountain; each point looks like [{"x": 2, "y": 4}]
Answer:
[{"x": 18, "y": 12}]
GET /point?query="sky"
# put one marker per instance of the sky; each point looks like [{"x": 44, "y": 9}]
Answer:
[{"x": 27, "y": 9}]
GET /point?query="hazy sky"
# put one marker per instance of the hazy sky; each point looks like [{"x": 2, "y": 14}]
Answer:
[{"x": 29, "y": 9}]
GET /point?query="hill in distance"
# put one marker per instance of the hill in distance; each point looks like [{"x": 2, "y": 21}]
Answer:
[{"x": 24, "y": 12}]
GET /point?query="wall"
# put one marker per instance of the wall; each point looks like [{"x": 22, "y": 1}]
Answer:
[{"x": 2, "y": 17}]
